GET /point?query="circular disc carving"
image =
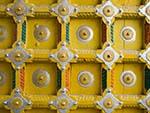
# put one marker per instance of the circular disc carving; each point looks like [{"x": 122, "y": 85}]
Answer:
[
  {"x": 84, "y": 33},
  {"x": 63, "y": 10},
  {"x": 85, "y": 78},
  {"x": 128, "y": 78},
  {"x": 41, "y": 78},
  {"x": 108, "y": 55},
  {"x": 108, "y": 11},
  {"x": 16, "y": 103},
  {"x": 108, "y": 103},
  {"x": 19, "y": 9},
  {"x": 63, "y": 55},
  {"x": 41, "y": 33},
  {"x": 128, "y": 34}
]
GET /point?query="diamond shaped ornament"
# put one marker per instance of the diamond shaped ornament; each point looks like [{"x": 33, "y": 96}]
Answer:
[
  {"x": 109, "y": 56},
  {"x": 108, "y": 11},
  {"x": 19, "y": 10},
  {"x": 63, "y": 9},
  {"x": 145, "y": 102},
  {"x": 17, "y": 103},
  {"x": 63, "y": 102},
  {"x": 145, "y": 10},
  {"x": 18, "y": 56},
  {"x": 145, "y": 56},
  {"x": 108, "y": 103},
  {"x": 63, "y": 56}
]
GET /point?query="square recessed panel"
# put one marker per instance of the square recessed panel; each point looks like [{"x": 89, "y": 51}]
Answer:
[
  {"x": 96, "y": 28},
  {"x": 80, "y": 87},
  {"x": 121, "y": 88},
  {"x": 8, "y": 74},
  {"x": 137, "y": 25},
  {"x": 50, "y": 25},
  {"x": 84, "y": 79},
  {"x": 8, "y": 33},
  {"x": 39, "y": 2},
  {"x": 32, "y": 83}
]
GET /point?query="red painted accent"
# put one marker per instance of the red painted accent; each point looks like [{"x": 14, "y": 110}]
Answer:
[
  {"x": 67, "y": 78},
  {"x": 147, "y": 33},
  {"x": 112, "y": 78},
  {"x": 104, "y": 29},
  {"x": 22, "y": 78}
]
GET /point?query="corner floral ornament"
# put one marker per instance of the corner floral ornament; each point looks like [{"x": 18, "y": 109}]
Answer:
[
  {"x": 17, "y": 103},
  {"x": 109, "y": 56},
  {"x": 18, "y": 55},
  {"x": 63, "y": 56},
  {"x": 108, "y": 11},
  {"x": 145, "y": 10},
  {"x": 144, "y": 56},
  {"x": 19, "y": 10},
  {"x": 145, "y": 102},
  {"x": 109, "y": 102},
  {"x": 63, "y": 9},
  {"x": 63, "y": 102}
]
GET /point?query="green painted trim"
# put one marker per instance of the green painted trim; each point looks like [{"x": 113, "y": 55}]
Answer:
[
  {"x": 67, "y": 32},
  {"x": 147, "y": 78},
  {"x": 104, "y": 79},
  {"x": 24, "y": 32},
  {"x": 58, "y": 79}
]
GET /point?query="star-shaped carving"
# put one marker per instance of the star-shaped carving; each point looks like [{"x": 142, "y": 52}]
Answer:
[
  {"x": 109, "y": 56},
  {"x": 145, "y": 10},
  {"x": 19, "y": 10},
  {"x": 108, "y": 11},
  {"x": 18, "y": 55},
  {"x": 17, "y": 103},
  {"x": 63, "y": 56},
  {"x": 63, "y": 9},
  {"x": 145, "y": 56},
  {"x": 145, "y": 102},
  {"x": 109, "y": 102},
  {"x": 63, "y": 102}
]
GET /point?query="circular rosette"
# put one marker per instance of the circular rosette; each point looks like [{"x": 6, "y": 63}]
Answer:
[
  {"x": 41, "y": 78},
  {"x": 85, "y": 78},
  {"x": 128, "y": 78},
  {"x": 41, "y": 33},
  {"x": 84, "y": 33}
]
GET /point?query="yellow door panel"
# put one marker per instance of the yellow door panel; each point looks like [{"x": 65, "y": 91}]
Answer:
[
  {"x": 136, "y": 24},
  {"x": 76, "y": 39},
  {"x": 122, "y": 87},
  {"x": 36, "y": 42},
  {"x": 35, "y": 78},
  {"x": 85, "y": 79},
  {"x": 74, "y": 56}
]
